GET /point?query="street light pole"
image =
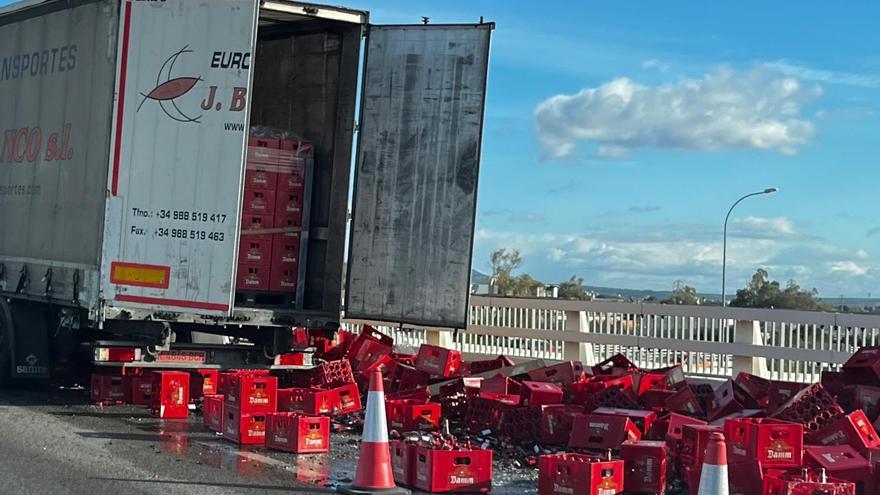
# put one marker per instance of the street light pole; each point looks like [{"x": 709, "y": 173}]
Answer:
[{"x": 769, "y": 190}]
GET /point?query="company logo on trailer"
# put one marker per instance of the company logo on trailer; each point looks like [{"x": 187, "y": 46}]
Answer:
[{"x": 169, "y": 89}]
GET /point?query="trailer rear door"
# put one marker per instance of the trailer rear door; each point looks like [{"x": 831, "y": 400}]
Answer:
[
  {"x": 417, "y": 166},
  {"x": 180, "y": 129}
]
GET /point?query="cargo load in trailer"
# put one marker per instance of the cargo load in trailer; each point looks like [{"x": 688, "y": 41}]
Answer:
[{"x": 174, "y": 169}]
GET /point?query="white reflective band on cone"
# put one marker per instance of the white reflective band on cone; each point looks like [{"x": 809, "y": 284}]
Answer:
[
  {"x": 375, "y": 426},
  {"x": 713, "y": 480}
]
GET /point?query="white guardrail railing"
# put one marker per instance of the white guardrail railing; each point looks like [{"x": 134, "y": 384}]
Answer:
[{"x": 706, "y": 340}]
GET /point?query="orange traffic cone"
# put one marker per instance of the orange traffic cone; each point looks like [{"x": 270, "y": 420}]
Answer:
[
  {"x": 713, "y": 477},
  {"x": 373, "y": 473}
]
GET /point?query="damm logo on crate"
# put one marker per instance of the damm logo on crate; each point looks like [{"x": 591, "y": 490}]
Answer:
[
  {"x": 557, "y": 488},
  {"x": 780, "y": 451},
  {"x": 462, "y": 476}
]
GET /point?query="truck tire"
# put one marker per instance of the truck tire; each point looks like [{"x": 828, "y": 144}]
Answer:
[{"x": 5, "y": 344}]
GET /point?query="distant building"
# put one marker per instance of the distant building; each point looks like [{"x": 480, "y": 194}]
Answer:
[
  {"x": 482, "y": 284},
  {"x": 546, "y": 291}
]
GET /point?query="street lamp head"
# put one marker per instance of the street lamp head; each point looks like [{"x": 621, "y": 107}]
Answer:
[{"x": 770, "y": 190}]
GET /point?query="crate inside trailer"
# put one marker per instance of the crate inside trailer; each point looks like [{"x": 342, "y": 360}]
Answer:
[{"x": 302, "y": 117}]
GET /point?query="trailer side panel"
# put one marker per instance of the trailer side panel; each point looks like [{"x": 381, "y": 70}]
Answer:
[{"x": 56, "y": 93}]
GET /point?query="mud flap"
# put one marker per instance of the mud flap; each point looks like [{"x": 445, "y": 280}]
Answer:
[{"x": 30, "y": 342}]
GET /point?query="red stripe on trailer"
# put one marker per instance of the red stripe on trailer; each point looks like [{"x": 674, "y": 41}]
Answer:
[
  {"x": 172, "y": 302},
  {"x": 120, "y": 104}
]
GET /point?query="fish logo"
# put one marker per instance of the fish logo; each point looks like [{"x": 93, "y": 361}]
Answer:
[{"x": 172, "y": 88}]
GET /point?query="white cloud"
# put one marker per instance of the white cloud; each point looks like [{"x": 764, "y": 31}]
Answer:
[
  {"x": 726, "y": 109},
  {"x": 655, "y": 64},
  {"x": 824, "y": 76},
  {"x": 848, "y": 268},
  {"x": 612, "y": 152},
  {"x": 619, "y": 259},
  {"x": 763, "y": 227}
]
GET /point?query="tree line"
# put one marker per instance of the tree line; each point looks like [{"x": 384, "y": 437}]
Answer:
[{"x": 761, "y": 291}]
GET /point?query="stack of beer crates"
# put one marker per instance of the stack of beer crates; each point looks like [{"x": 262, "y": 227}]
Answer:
[{"x": 272, "y": 215}]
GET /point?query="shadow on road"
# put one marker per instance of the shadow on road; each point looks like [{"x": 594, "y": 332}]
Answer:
[
  {"x": 243, "y": 486},
  {"x": 123, "y": 436}
]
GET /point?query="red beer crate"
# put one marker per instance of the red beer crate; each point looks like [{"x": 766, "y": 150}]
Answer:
[
  {"x": 725, "y": 401},
  {"x": 863, "y": 367},
  {"x": 562, "y": 374},
  {"x": 645, "y": 463},
  {"x": 285, "y": 251},
  {"x": 334, "y": 373},
  {"x": 500, "y": 384},
  {"x": 745, "y": 478},
  {"x": 410, "y": 378},
  {"x": 283, "y": 278},
  {"x": 833, "y": 381},
  {"x": 669, "y": 426},
  {"x": 685, "y": 401},
  {"x": 259, "y": 201},
  {"x": 854, "y": 429},
  {"x": 556, "y": 423},
  {"x": 260, "y": 176},
  {"x": 438, "y": 361},
  {"x": 263, "y": 150},
  {"x": 289, "y": 226},
  {"x": 253, "y": 226},
  {"x": 617, "y": 364},
  {"x": 212, "y": 412},
  {"x": 781, "y": 392},
  {"x": 314, "y": 401},
  {"x": 475, "y": 367},
  {"x": 651, "y": 381},
  {"x": 256, "y": 250},
  {"x": 297, "y": 433},
  {"x": 771, "y": 442},
  {"x": 171, "y": 397},
  {"x": 655, "y": 398},
  {"x": 141, "y": 389},
  {"x": 244, "y": 427},
  {"x": 223, "y": 380},
  {"x": 346, "y": 399},
  {"x": 755, "y": 386},
  {"x": 540, "y": 394},
  {"x": 484, "y": 412},
  {"x": 289, "y": 203},
  {"x": 305, "y": 400},
  {"x": 369, "y": 347},
  {"x": 579, "y": 474},
  {"x": 596, "y": 431},
  {"x": 203, "y": 382},
  {"x": 403, "y": 462},
  {"x": 840, "y": 461},
  {"x": 411, "y": 415},
  {"x": 692, "y": 448},
  {"x": 642, "y": 419},
  {"x": 252, "y": 277},
  {"x": 448, "y": 471},
  {"x": 864, "y": 397},
  {"x": 813, "y": 406},
  {"x": 108, "y": 389},
  {"x": 805, "y": 483},
  {"x": 252, "y": 393}
]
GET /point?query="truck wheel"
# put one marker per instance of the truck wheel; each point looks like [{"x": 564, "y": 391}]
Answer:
[{"x": 5, "y": 344}]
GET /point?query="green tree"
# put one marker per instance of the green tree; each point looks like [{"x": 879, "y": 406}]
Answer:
[
  {"x": 573, "y": 288},
  {"x": 504, "y": 262},
  {"x": 682, "y": 294},
  {"x": 765, "y": 293},
  {"x": 524, "y": 285}
]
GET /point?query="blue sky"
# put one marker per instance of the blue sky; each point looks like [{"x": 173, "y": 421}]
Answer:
[{"x": 618, "y": 133}]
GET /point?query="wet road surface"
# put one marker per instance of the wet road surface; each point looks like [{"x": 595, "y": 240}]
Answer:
[{"x": 54, "y": 441}]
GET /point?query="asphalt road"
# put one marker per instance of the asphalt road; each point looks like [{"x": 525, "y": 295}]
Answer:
[{"x": 53, "y": 441}]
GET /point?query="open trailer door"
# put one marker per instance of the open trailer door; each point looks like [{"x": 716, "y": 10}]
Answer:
[
  {"x": 415, "y": 193},
  {"x": 179, "y": 131}
]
